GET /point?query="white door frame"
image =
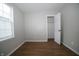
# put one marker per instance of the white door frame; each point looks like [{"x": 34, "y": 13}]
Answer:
[{"x": 47, "y": 24}]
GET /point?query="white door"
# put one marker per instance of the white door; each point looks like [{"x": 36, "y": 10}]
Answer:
[{"x": 57, "y": 28}]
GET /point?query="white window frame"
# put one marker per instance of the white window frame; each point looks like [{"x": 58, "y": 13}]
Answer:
[{"x": 12, "y": 26}]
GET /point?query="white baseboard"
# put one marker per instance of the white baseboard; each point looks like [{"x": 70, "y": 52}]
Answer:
[
  {"x": 36, "y": 40},
  {"x": 16, "y": 48},
  {"x": 71, "y": 48}
]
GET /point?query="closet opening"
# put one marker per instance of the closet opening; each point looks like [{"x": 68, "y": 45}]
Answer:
[{"x": 50, "y": 24}]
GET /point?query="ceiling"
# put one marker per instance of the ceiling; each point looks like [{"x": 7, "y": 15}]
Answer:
[{"x": 39, "y": 7}]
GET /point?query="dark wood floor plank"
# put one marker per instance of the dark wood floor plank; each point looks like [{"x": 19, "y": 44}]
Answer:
[{"x": 49, "y": 48}]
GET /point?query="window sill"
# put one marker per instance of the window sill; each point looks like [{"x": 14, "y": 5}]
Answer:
[{"x": 6, "y": 38}]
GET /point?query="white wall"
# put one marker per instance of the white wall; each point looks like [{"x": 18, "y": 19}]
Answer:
[
  {"x": 36, "y": 26},
  {"x": 50, "y": 27},
  {"x": 9, "y": 45},
  {"x": 70, "y": 26}
]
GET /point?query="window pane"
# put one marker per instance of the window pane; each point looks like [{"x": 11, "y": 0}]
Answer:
[
  {"x": 5, "y": 29},
  {"x": 6, "y": 9},
  {"x": 5, "y": 21},
  {"x": 6, "y": 15},
  {"x": 0, "y": 13},
  {"x": 0, "y": 6}
]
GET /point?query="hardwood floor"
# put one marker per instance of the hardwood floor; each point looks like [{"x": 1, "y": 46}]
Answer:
[{"x": 49, "y": 48}]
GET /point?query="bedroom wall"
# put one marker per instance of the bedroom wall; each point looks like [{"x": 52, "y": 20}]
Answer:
[
  {"x": 36, "y": 26},
  {"x": 70, "y": 26}
]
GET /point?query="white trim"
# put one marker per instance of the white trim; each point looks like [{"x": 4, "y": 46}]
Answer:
[
  {"x": 36, "y": 40},
  {"x": 71, "y": 48},
  {"x": 6, "y": 38},
  {"x": 16, "y": 48}
]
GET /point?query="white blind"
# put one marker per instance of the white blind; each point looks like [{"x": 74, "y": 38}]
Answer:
[{"x": 6, "y": 21}]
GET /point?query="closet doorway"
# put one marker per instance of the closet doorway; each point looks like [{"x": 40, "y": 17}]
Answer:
[
  {"x": 54, "y": 27},
  {"x": 50, "y": 20}
]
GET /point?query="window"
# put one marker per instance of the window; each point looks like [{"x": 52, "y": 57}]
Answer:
[{"x": 6, "y": 22}]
